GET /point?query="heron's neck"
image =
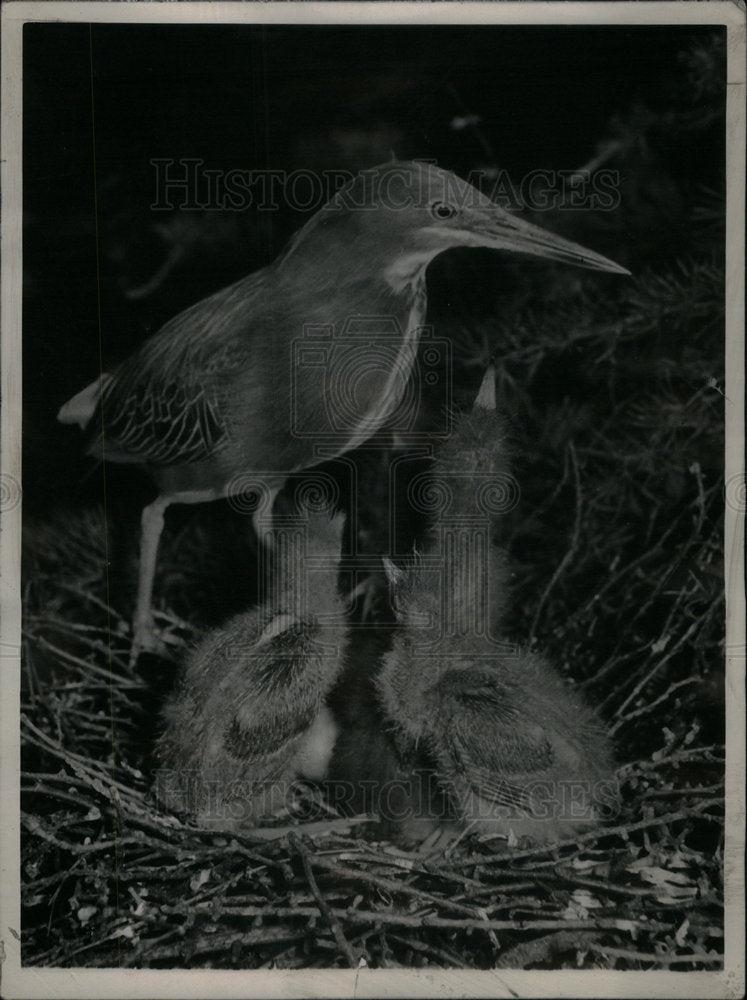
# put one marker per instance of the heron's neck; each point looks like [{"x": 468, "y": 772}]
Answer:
[
  {"x": 407, "y": 271},
  {"x": 361, "y": 281}
]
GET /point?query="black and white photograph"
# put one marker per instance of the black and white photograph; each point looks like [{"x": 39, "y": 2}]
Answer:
[{"x": 372, "y": 499}]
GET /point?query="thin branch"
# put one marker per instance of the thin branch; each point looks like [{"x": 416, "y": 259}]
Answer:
[
  {"x": 572, "y": 548},
  {"x": 642, "y": 956},
  {"x": 623, "y": 830},
  {"x": 324, "y": 908}
]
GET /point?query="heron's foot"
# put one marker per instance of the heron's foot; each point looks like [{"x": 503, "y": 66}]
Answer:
[
  {"x": 165, "y": 641},
  {"x": 440, "y": 840},
  {"x": 144, "y": 639}
]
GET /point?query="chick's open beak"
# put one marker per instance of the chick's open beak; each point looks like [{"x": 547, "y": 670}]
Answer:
[{"x": 500, "y": 230}]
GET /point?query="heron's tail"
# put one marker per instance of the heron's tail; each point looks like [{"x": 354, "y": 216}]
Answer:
[{"x": 82, "y": 406}]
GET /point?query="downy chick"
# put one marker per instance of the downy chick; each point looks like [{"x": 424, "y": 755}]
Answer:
[
  {"x": 248, "y": 719},
  {"x": 515, "y": 750}
]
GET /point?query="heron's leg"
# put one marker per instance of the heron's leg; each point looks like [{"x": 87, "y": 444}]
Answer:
[
  {"x": 266, "y": 546},
  {"x": 262, "y": 518},
  {"x": 152, "y": 520},
  {"x": 151, "y": 526}
]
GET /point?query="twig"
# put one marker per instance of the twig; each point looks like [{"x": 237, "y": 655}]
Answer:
[
  {"x": 34, "y": 825},
  {"x": 357, "y": 916},
  {"x": 541, "y": 949},
  {"x": 572, "y": 548},
  {"x": 81, "y": 765},
  {"x": 391, "y": 885},
  {"x": 645, "y": 709},
  {"x": 324, "y": 908},
  {"x": 88, "y": 667},
  {"x": 448, "y": 957},
  {"x": 699, "y": 790},
  {"x": 642, "y": 956},
  {"x": 676, "y": 757},
  {"x": 657, "y": 667},
  {"x": 623, "y": 830},
  {"x": 87, "y": 595}
]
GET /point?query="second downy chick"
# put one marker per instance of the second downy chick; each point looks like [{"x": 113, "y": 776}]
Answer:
[{"x": 516, "y": 752}]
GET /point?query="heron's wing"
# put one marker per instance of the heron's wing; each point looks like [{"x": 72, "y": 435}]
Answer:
[
  {"x": 164, "y": 405},
  {"x": 269, "y": 695},
  {"x": 267, "y": 736},
  {"x": 490, "y": 737}
]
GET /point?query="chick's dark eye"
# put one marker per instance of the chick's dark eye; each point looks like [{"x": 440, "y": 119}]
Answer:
[{"x": 440, "y": 210}]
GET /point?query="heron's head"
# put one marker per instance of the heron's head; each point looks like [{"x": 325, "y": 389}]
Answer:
[{"x": 406, "y": 213}]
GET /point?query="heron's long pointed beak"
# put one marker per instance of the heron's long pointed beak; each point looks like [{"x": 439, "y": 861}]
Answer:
[{"x": 503, "y": 231}]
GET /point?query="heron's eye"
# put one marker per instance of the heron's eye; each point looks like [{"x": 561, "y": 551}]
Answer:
[{"x": 440, "y": 210}]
